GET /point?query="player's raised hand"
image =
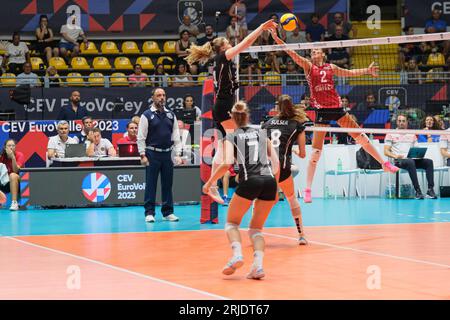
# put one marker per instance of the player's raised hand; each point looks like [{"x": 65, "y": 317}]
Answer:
[
  {"x": 270, "y": 24},
  {"x": 373, "y": 70}
]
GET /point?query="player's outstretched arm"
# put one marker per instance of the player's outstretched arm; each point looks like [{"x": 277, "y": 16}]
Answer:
[
  {"x": 302, "y": 62},
  {"x": 371, "y": 70},
  {"x": 248, "y": 40}
]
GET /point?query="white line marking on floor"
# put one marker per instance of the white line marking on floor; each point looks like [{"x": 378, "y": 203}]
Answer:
[
  {"x": 173, "y": 284},
  {"x": 374, "y": 253}
]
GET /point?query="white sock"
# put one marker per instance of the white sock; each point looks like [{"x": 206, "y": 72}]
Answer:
[
  {"x": 258, "y": 258},
  {"x": 237, "y": 248}
]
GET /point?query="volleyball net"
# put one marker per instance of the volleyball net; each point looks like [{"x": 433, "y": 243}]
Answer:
[{"x": 413, "y": 77}]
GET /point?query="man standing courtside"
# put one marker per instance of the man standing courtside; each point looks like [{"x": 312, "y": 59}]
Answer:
[{"x": 157, "y": 136}]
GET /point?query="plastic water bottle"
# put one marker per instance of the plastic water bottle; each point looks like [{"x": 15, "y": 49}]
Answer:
[
  {"x": 371, "y": 137},
  {"x": 327, "y": 192},
  {"x": 339, "y": 164},
  {"x": 334, "y": 140}
]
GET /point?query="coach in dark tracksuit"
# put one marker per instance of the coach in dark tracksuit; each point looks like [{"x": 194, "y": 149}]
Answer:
[{"x": 158, "y": 135}]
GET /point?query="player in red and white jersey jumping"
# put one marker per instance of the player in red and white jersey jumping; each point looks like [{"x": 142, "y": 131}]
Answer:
[{"x": 327, "y": 101}]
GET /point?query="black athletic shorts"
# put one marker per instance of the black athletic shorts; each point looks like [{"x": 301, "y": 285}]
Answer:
[
  {"x": 325, "y": 115},
  {"x": 220, "y": 112},
  {"x": 285, "y": 173},
  {"x": 258, "y": 187},
  {"x": 6, "y": 188}
]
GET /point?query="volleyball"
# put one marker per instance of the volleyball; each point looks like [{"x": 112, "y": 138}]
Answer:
[{"x": 289, "y": 22}]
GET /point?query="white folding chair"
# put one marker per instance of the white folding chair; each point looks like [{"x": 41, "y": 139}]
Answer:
[
  {"x": 333, "y": 154},
  {"x": 434, "y": 153}
]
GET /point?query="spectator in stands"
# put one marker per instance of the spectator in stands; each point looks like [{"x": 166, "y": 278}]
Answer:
[
  {"x": 315, "y": 31},
  {"x": 27, "y": 77},
  {"x": 234, "y": 32},
  {"x": 369, "y": 104},
  {"x": 188, "y": 104},
  {"x": 181, "y": 46},
  {"x": 444, "y": 145},
  {"x": 131, "y": 137},
  {"x": 209, "y": 35},
  {"x": 345, "y": 101},
  {"x": 182, "y": 78},
  {"x": 56, "y": 147},
  {"x": 159, "y": 78},
  {"x": 53, "y": 78},
  {"x": 238, "y": 10},
  {"x": 429, "y": 124},
  {"x": 306, "y": 98},
  {"x": 14, "y": 160},
  {"x": 396, "y": 147},
  {"x": 44, "y": 36},
  {"x": 347, "y": 26},
  {"x": 187, "y": 25},
  {"x": 138, "y": 78},
  {"x": 339, "y": 56},
  {"x": 250, "y": 69},
  {"x": 293, "y": 76},
  {"x": 411, "y": 74},
  {"x": 17, "y": 53},
  {"x": 74, "y": 111},
  {"x": 409, "y": 50},
  {"x": 69, "y": 38},
  {"x": 98, "y": 146},
  {"x": 87, "y": 125},
  {"x": 435, "y": 23},
  {"x": 296, "y": 37},
  {"x": 439, "y": 122}
]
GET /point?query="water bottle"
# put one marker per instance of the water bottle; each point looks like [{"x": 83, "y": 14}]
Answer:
[
  {"x": 371, "y": 137},
  {"x": 334, "y": 140},
  {"x": 327, "y": 192},
  {"x": 339, "y": 164}
]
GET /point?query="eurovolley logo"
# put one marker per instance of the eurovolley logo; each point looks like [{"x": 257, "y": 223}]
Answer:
[{"x": 96, "y": 187}]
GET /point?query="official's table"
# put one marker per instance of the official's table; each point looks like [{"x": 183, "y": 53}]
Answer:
[{"x": 104, "y": 183}]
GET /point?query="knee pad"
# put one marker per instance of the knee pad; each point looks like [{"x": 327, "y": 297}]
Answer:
[
  {"x": 362, "y": 139},
  {"x": 230, "y": 226},
  {"x": 293, "y": 202},
  {"x": 253, "y": 233},
  {"x": 315, "y": 157}
]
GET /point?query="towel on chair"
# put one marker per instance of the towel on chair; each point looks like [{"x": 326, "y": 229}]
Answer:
[{"x": 4, "y": 176}]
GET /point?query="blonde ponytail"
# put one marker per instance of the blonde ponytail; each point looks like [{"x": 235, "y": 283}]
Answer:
[
  {"x": 200, "y": 54},
  {"x": 204, "y": 53}
]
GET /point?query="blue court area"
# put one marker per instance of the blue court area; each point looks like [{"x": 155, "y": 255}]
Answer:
[{"x": 322, "y": 212}]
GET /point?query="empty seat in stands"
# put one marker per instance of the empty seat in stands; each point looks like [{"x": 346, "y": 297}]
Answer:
[
  {"x": 272, "y": 78},
  {"x": 169, "y": 47},
  {"x": 146, "y": 63},
  {"x": 151, "y": 47},
  {"x": 118, "y": 79},
  {"x": 96, "y": 79},
  {"x": 202, "y": 77},
  {"x": 130, "y": 47},
  {"x": 79, "y": 63},
  {"x": 75, "y": 79},
  {"x": 59, "y": 63},
  {"x": 166, "y": 61},
  {"x": 36, "y": 63},
  {"x": 101, "y": 63},
  {"x": 109, "y": 47},
  {"x": 123, "y": 63},
  {"x": 8, "y": 80},
  {"x": 91, "y": 48}
]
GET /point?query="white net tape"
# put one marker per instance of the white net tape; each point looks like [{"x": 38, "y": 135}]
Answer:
[
  {"x": 378, "y": 131},
  {"x": 352, "y": 43}
]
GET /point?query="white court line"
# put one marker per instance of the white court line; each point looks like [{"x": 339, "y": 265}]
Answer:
[
  {"x": 219, "y": 229},
  {"x": 173, "y": 284},
  {"x": 374, "y": 253}
]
